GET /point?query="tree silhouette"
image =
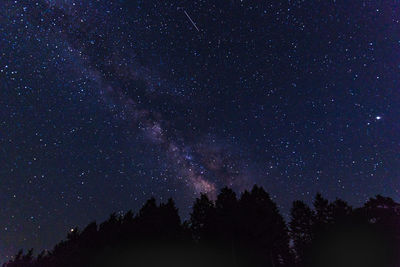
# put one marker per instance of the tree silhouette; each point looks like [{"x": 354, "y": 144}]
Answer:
[
  {"x": 226, "y": 215},
  {"x": 263, "y": 228},
  {"x": 384, "y": 214},
  {"x": 22, "y": 260},
  {"x": 301, "y": 230},
  {"x": 248, "y": 231},
  {"x": 202, "y": 218},
  {"x": 322, "y": 210},
  {"x": 323, "y": 215},
  {"x": 340, "y": 210}
]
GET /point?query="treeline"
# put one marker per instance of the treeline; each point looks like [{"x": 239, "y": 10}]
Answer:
[{"x": 234, "y": 231}]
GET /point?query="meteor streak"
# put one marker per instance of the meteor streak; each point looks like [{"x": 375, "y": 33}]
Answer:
[{"x": 187, "y": 15}]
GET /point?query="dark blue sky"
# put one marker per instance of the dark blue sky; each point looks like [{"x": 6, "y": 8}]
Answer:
[{"x": 104, "y": 104}]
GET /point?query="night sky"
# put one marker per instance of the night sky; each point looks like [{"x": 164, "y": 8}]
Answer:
[{"x": 105, "y": 103}]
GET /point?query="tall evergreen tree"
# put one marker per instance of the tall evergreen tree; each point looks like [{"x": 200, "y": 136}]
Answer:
[
  {"x": 323, "y": 215},
  {"x": 340, "y": 211},
  {"x": 322, "y": 209},
  {"x": 301, "y": 229},
  {"x": 263, "y": 228},
  {"x": 226, "y": 221},
  {"x": 202, "y": 218}
]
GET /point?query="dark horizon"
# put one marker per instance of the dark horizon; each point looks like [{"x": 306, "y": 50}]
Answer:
[
  {"x": 241, "y": 230},
  {"x": 184, "y": 218}
]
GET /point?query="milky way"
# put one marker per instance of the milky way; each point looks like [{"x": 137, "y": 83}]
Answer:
[{"x": 107, "y": 103}]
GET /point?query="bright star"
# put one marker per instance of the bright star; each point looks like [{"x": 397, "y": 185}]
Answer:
[{"x": 378, "y": 117}]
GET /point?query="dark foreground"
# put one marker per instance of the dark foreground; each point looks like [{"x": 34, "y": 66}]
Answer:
[{"x": 232, "y": 231}]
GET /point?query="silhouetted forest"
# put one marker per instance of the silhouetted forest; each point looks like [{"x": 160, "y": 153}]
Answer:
[{"x": 234, "y": 231}]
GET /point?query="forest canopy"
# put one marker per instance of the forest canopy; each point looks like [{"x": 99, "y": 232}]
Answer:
[{"x": 245, "y": 230}]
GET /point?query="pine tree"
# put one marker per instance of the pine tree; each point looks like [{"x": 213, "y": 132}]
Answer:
[
  {"x": 301, "y": 229},
  {"x": 202, "y": 218}
]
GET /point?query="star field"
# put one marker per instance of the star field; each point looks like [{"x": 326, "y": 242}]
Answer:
[{"x": 104, "y": 104}]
